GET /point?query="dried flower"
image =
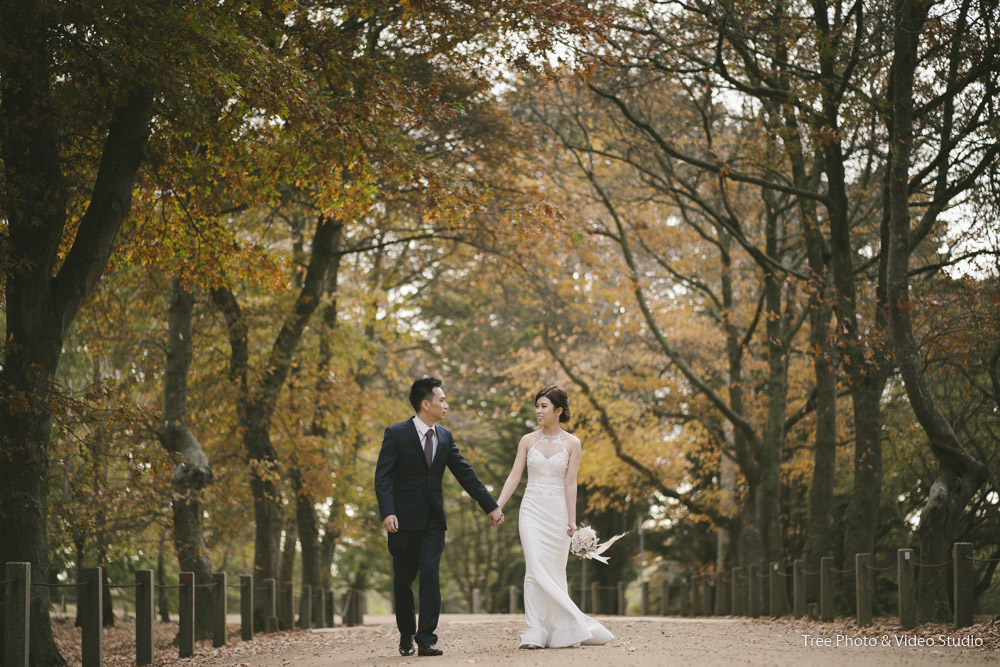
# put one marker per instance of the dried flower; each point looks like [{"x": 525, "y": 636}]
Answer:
[{"x": 585, "y": 544}]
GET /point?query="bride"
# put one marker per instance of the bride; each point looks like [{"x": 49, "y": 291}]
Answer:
[{"x": 546, "y": 524}]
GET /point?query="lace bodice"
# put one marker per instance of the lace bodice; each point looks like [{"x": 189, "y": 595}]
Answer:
[{"x": 547, "y": 474}]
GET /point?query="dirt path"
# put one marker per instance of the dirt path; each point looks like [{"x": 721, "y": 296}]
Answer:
[{"x": 492, "y": 640}]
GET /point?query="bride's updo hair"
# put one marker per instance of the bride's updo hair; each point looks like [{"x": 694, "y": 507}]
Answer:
[{"x": 559, "y": 399}]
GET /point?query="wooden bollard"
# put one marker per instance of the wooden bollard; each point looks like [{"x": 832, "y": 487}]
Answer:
[
  {"x": 17, "y": 616},
  {"x": 621, "y": 598},
  {"x": 595, "y": 598},
  {"x": 756, "y": 604},
  {"x": 319, "y": 607},
  {"x": 286, "y": 606},
  {"x": 965, "y": 584},
  {"x": 359, "y": 607},
  {"x": 723, "y": 602},
  {"x": 644, "y": 598},
  {"x": 799, "y": 588},
  {"x": 329, "y": 606},
  {"x": 144, "y": 615},
  {"x": 305, "y": 606},
  {"x": 776, "y": 590},
  {"x": 863, "y": 588},
  {"x": 512, "y": 599},
  {"x": 92, "y": 615},
  {"x": 475, "y": 601},
  {"x": 185, "y": 634},
  {"x": 665, "y": 597},
  {"x": 907, "y": 589},
  {"x": 707, "y": 603},
  {"x": 826, "y": 588},
  {"x": 219, "y": 609},
  {"x": 739, "y": 592},
  {"x": 349, "y": 602},
  {"x": 270, "y": 605},
  {"x": 772, "y": 587},
  {"x": 246, "y": 607},
  {"x": 346, "y": 608}
]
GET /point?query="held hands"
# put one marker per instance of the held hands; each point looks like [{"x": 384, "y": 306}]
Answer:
[
  {"x": 496, "y": 517},
  {"x": 570, "y": 529}
]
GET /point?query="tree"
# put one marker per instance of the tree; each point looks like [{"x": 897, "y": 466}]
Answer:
[
  {"x": 194, "y": 472},
  {"x": 960, "y": 474},
  {"x": 79, "y": 86},
  {"x": 42, "y": 293},
  {"x": 622, "y": 126}
]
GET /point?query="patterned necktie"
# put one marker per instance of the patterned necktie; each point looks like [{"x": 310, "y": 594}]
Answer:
[{"x": 429, "y": 445}]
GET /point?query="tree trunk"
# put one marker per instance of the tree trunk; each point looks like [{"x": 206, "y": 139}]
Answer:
[
  {"x": 194, "y": 473},
  {"x": 749, "y": 546},
  {"x": 40, "y": 303},
  {"x": 108, "y": 609},
  {"x": 866, "y": 364},
  {"x": 99, "y": 481},
  {"x": 331, "y": 535},
  {"x": 819, "y": 542},
  {"x": 162, "y": 600},
  {"x": 308, "y": 529},
  {"x": 933, "y": 582},
  {"x": 286, "y": 570},
  {"x": 79, "y": 547},
  {"x": 778, "y": 325},
  {"x": 256, "y": 405},
  {"x": 961, "y": 474}
]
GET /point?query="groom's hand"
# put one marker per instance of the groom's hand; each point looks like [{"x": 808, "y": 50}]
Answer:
[
  {"x": 496, "y": 517},
  {"x": 391, "y": 523}
]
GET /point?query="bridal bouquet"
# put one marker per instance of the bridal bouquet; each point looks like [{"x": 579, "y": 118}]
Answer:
[{"x": 585, "y": 544}]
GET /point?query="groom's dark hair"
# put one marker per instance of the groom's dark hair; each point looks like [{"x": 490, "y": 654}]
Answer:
[{"x": 422, "y": 390}]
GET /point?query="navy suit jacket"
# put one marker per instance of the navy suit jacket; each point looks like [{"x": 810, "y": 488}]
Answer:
[{"x": 407, "y": 487}]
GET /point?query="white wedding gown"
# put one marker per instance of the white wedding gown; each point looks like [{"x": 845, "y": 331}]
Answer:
[{"x": 553, "y": 618}]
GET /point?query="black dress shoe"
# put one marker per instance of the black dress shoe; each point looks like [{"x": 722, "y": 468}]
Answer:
[
  {"x": 428, "y": 649},
  {"x": 406, "y": 645}
]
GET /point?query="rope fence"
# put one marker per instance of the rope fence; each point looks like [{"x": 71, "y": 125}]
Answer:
[
  {"x": 273, "y": 611},
  {"x": 739, "y": 592},
  {"x": 79, "y": 584}
]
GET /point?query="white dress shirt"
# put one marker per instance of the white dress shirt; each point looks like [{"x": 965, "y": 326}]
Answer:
[{"x": 422, "y": 429}]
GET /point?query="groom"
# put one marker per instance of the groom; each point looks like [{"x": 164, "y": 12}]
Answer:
[{"x": 408, "y": 479}]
